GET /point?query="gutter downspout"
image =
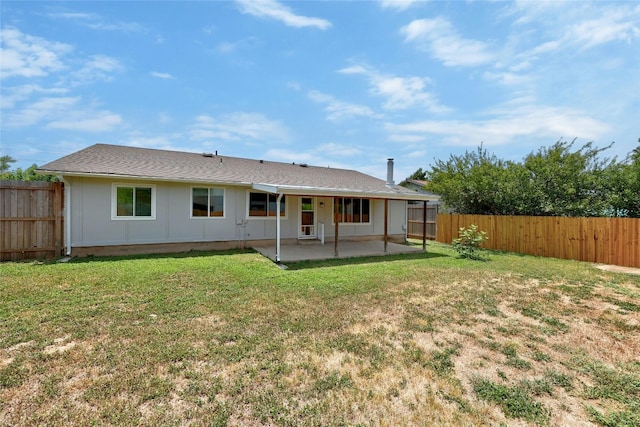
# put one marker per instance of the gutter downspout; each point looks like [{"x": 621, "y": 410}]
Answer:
[
  {"x": 278, "y": 232},
  {"x": 67, "y": 216}
]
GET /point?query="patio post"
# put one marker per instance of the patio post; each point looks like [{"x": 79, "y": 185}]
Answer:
[
  {"x": 424, "y": 226},
  {"x": 386, "y": 223},
  {"x": 336, "y": 222},
  {"x": 278, "y": 227}
]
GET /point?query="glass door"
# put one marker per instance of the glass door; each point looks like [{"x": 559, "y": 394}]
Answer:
[{"x": 307, "y": 217}]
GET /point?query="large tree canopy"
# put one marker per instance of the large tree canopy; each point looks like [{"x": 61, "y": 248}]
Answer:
[{"x": 554, "y": 181}]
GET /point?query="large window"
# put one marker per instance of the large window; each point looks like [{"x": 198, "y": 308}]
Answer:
[
  {"x": 266, "y": 205},
  {"x": 353, "y": 210},
  {"x": 133, "y": 202},
  {"x": 207, "y": 202}
]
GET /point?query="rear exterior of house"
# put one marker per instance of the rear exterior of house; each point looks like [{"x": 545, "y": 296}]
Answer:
[{"x": 132, "y": 200}]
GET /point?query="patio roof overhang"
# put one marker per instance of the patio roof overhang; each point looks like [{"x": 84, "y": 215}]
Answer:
[{"x": 342, "y": 192}]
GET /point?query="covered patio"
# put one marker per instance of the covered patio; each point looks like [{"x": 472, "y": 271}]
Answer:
[{"x": 315, "y": 250}]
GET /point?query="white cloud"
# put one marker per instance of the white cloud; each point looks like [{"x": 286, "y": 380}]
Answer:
[
  {"x": 164, "y": 118},
  {"x": 230, "y": 47},
  {"x": 275, "y": 10},
  {"x": 16, "y": 94},
  {"x": 338, "y": 150},
  {"x": 92, "y": 121},
  {"x": 97, "y": 67},
  {"x": 163, "y": 142},
  {"x": 354, "y": 69},
  {"x": 613, "y": 25},
  {"x": 578, "y": 26},
  {"x": 238, "y": 127},
  {"x": 400, "y": 92},
  {"x": 397, "y": 4},
  {"x": 289, "y": 156},
  {"x": 159, "y": 75},
  {"x": 43, "y": 109},
  {"x": 97, "y": 22},
  {"x": 407, "y": 138},
  {"x": 405, "y": 92},
  {"x": 338, "y": 110},
  {"x": 28, "y": 56},
  {"x": 508, "y": 78},
  {"x": 505, "y": 125},
  {"x": 439, "y": 38},
  {"x": 68, "y": 113},
  {"x": 327, "y": 155}
]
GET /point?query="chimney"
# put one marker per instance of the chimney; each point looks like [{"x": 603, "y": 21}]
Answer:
[{"x": 390, "y": 182}]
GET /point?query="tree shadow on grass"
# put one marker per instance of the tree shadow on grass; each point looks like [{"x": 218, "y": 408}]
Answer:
[{"x": 338, "y": 262}]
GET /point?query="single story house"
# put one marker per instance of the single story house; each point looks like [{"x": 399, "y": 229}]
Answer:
[{"x": 122, "y": 199}]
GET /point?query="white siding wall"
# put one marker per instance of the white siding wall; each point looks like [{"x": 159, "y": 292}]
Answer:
[{"x": 92, "y": 225}]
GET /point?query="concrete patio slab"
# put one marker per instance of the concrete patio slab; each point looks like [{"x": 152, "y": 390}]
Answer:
[{"x": 315, "y": 250}]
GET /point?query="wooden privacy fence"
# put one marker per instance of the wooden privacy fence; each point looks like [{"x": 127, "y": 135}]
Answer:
[
  {"x": 418, "y": 219},
  {"x": 600, "y": 240},
  {"x": 31, "y": 220}
]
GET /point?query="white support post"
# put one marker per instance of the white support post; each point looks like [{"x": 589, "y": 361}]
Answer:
[{"x": 278, "y": 227}]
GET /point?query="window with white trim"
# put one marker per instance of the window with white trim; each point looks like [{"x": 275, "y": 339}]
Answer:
[
  {"x": 207, "y": 202},
  {"x": 353, "y": 210},
  {"x": 266, "y": 205},
  {"x": 132, "y": 201}
]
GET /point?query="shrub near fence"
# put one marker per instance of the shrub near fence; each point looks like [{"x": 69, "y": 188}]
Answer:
[
  {"x": 31, "y": 220},
  {"x": 599, "y": 240}
]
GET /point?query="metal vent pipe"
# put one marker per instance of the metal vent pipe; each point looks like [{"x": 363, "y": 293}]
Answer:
[{"x": 390, "y": 182}]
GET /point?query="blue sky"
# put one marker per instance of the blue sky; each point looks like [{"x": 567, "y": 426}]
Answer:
[{"x": 329, "y": 83}]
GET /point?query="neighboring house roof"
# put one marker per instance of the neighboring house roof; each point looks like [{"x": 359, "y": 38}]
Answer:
[
  {"x": 418, "y": 186},
  {"x": 115, "y": 161}
]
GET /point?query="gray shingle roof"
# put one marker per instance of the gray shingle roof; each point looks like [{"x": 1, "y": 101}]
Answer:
[{"x": 131, "y": 162}]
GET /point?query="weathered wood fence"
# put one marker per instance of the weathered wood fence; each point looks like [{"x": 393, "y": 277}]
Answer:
[
  {"x": 417, "y": 217},
  {"x": 599, "y": 240},
  {"x": 31, "y": 220}
]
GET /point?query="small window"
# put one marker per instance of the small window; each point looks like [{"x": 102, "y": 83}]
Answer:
[
  {"x": 266, "y": 205},
  {"x": 207, "y": 202},
  {"x": 133, "y": 202},
  {"x": 352, "y": 210}
]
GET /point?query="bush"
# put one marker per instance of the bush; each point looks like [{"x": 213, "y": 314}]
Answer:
[{"x": 469, "y": 241}]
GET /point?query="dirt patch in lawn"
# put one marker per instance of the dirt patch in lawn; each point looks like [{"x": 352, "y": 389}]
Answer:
[{"x": 618, "y": 269}]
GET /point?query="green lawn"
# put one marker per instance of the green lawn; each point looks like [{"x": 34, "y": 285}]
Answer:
[{"x": 229, "y": 338}]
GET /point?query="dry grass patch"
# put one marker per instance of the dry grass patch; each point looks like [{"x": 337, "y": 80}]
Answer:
[{"x": 230, "y": 339}]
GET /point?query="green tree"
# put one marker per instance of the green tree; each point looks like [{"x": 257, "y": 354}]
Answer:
[
  {"x": 554, "y": 181},
  {"x": 5, "y": 161},
  {"x": 475, "y": 183},
  {"x": 562, "y": 182},
  {"x": 623, "y": 186},
  {"x": 419, "y": 175},
  {"x": 28, "y": 174}
]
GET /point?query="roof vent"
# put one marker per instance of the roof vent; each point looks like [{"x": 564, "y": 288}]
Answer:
[
  {"x": 303, "y": 165},
  {"x": 261, "y": 161},
  {"x": 207, "y": 154}
]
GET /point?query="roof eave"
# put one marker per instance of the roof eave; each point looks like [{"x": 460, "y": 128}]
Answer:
[{"x": 139, "y": 177}]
